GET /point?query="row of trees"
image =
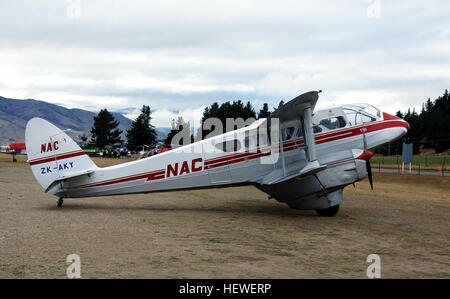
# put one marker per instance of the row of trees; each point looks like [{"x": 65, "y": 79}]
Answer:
[
  {"x": 105, "y": 130},
  {"x": 430, "y": 129}
]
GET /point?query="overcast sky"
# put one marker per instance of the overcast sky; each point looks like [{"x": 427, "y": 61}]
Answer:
[{"x": 180, "y": 56}]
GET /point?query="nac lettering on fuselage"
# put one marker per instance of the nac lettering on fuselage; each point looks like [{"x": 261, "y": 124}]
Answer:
[{"x": 185, "y": 168}]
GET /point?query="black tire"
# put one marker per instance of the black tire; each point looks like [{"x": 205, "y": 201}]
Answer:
[
  {"x": 329, "y": 212},
  {"x": 59, "y": 202}
]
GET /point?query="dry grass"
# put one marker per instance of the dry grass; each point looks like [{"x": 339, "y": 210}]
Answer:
[{"x": 224, "y": 233}]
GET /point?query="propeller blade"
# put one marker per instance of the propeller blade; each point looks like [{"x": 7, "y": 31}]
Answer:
[
  {"x": 368, "y": 167},
  {"x": 369, "y": 172}
]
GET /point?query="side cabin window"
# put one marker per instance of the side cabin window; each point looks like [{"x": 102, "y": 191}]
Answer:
[
  {"x": 262, "y": 140},
  {"x": 229, "y": 146},
  {"x": 317, "y": 129},
  {"x": 288, "y": 133},
  {"x": 254, "y": 141},
  {"x": 333, "y": 123}
]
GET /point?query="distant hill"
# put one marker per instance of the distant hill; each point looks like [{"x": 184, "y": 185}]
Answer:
[
  {"x": 164, "y": 130},
  {"x": 14, "y": 115}
]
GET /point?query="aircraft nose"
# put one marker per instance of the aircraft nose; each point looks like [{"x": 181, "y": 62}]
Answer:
[
  {"x": 400, "y": 125},
  {"x": 388, "y": 116}
]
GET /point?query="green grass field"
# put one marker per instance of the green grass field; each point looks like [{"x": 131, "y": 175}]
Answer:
[{"x": 417, "y": 160}]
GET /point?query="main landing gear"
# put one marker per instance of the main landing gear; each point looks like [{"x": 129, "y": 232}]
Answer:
[
  {"x": 59, "y": 202},
  {"x": 328, "y": 212}
]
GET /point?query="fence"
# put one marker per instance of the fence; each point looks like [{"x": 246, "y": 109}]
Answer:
[{"x": 421, "y": 165}]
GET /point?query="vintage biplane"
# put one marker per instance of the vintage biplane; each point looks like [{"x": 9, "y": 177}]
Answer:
[{"x": 299, "y": 156}]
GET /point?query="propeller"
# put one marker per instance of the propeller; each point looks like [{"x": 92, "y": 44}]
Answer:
[{"x": 367, "y": 158}]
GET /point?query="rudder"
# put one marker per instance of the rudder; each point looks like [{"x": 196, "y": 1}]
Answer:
[{"x": 52, "y": 154}]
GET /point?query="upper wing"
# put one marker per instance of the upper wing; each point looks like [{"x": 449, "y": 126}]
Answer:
[{"x": 295, "y": 107}]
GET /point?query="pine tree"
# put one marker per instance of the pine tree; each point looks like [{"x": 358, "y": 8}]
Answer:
[
  {"x": 279, "y": 105},
  {"x": 104, "y": 131},
  {"x": 142, "y": 132},
  {"x": 430, "y": 128},
  {"x": 264, "y": 112},
  {"x": 226, "y": 110},
  {"x": 249, "y": 112}
]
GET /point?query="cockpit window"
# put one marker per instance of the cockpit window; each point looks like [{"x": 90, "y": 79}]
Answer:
[
  {"x": 371, "y": 110},
  {"x": 359, "y": 114},
  {"x": 362, "y": 119},
  {"x": 333, "y": 123},
  {"x": 351, "y": 116}
]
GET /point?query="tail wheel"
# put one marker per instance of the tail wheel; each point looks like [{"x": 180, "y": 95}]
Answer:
[{"x": 328, "y": 212}]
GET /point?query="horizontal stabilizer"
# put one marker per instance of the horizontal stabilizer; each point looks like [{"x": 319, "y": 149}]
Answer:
[{"x": 69, "y": 176}]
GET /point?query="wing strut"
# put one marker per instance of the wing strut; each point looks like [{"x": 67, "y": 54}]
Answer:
[
  {"x": 303, "y": 107},
  {"x": 313, "y": 166},
  {"x": 310, "y": 141}
]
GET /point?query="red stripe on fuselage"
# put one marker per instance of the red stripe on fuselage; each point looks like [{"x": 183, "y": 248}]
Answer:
[
  {"x": 236, "y": 155},
  {"x": 248, "y": 156},
  {"x": 57, "y": 157},
  {"x": 150, "y": 176}
]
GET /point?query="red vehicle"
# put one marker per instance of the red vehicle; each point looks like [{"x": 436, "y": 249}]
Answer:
[{"x": 162, "y": 150}]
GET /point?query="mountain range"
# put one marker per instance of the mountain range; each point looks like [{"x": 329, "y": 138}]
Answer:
[{"x": 14, "y": 115}]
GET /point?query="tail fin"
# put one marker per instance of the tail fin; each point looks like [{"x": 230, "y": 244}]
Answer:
[{"x": 53, "y": 155}]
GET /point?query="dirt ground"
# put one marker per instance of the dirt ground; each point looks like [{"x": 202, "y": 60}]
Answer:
[{"x": 224, "y": 233}]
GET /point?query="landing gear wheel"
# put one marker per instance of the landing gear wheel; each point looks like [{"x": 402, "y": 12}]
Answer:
[
  {"x": 59, "y": 202},
  {"x": 329, "y": 212}
]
